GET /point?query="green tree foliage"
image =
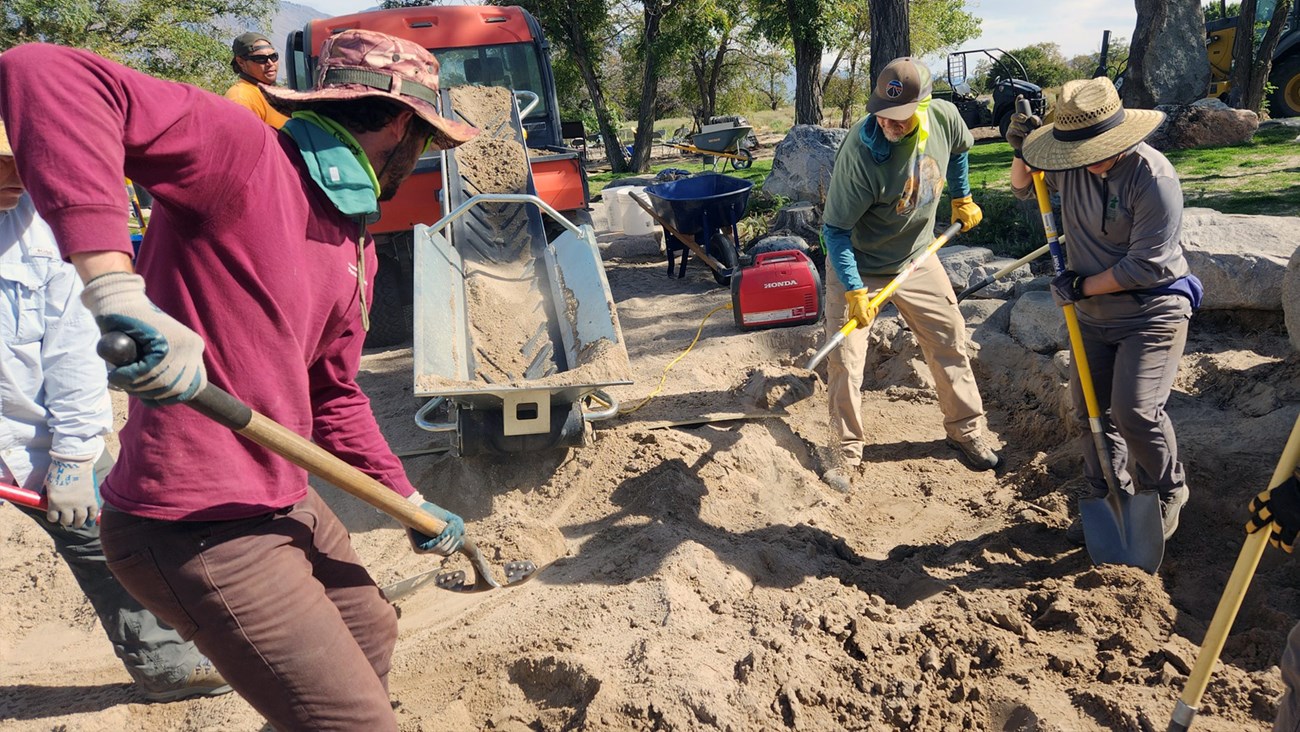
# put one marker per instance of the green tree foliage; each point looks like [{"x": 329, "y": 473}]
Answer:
[
  {"x": 939, "y": 24},
  {"x": 1043, "y": 62},
  {"x": 1214, "y": 12},
  {"x": 1084, "y": 66},
  {"x": 183, "y": 40},
  {"x": 583, "y": 28}
]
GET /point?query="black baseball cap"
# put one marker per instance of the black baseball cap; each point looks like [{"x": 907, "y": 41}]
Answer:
[
  {"x": 902, "y": 84},
  {"x": 249, "y": 42}
]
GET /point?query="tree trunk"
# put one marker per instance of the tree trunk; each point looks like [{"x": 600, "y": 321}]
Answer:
[
  {"x": 585, "y": 60},
  {"x": 891, "y": 35},
  {"x": 807, "y": 83},
  {"x": 1243, "y": 54},
  {"x": 1252, "y": 94},
  {"x": 804, "y": 18},
  {"x": 645, "y": 117}
]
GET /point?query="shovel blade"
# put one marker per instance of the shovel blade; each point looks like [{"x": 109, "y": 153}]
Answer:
[{"x": 1124, "y": 529}]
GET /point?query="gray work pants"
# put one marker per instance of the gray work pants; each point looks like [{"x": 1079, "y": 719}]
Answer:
[
  {"x": 153, "y": 653},
  {"x": 279, "y": 602},
  {"x": 1133, "y": 368},
  {"x": 1288, "y": 710}
]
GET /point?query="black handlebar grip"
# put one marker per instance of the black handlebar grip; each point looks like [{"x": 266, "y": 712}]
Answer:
[{"x": 117, "y": 348}]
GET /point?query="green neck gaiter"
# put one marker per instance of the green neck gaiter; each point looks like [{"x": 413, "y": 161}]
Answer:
[{"x": 336, "y": 163}]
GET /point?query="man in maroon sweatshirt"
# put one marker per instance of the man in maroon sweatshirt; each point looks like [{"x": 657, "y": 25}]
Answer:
[{"x": 258, "y": 271}]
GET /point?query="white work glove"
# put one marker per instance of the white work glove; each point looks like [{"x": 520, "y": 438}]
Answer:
[
  {"x": 169, "y": 358},
  {"x": 71, "y": 493}
]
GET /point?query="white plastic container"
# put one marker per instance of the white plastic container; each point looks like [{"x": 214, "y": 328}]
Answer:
[
  {"x": 636, "y": 222},
  {"x": 615, "y": 204}
]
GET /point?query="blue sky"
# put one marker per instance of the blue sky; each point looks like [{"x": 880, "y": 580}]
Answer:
[{"x": 1074, "y": 24}]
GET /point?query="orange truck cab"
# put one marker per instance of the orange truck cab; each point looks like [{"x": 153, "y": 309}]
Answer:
[{"x": 474, "y": 44}]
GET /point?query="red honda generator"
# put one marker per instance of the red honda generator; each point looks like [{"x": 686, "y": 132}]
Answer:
[{"x": 779, "y": 290}]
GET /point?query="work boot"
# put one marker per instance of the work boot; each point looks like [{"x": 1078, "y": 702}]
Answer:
[
  {"x": 839, "y": 474},
  {"x": 977, "y": 452},
  {"x": 203, "y": 680},
  {"x": 839, "y": 479},
  {"x": 1074, "y": 533},
  {"x": 1171, "y": 504}
]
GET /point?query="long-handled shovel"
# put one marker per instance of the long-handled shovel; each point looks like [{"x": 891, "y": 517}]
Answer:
[
  {"x": 1230, "y": 602},
  {"x": 216, "y": 403},
  {"x": 1002, "y": 273},
  {"x": 1119, "y": 528},
  {"x": 884, "y": 294}
]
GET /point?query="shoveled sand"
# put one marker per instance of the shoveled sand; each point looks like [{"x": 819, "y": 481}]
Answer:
[{"x": 703, "y": 578}]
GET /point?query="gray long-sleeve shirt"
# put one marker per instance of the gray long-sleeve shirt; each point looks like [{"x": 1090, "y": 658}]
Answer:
[{"x": 1130, "y": 220}]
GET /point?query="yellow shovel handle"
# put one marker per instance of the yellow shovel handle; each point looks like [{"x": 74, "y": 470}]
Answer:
[
  {"x": 1226, "y": 613},
  {"x": 884, "y": 294},
  {"x": 887, "y": 291}
]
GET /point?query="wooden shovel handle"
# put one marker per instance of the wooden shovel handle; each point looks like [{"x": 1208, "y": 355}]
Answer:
[{"x": 218, "y": 404}]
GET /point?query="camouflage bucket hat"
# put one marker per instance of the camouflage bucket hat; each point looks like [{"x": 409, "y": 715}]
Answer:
[{"x": 358, "y": 64}]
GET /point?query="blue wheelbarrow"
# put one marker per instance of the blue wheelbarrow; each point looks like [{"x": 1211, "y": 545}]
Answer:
[{"x": 699, "y": 215}]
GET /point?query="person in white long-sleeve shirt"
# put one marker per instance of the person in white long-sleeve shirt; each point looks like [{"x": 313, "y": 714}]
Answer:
[{"x": 54, "y": 415}]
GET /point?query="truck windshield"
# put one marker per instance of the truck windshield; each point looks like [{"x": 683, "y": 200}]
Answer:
[{"x": 512, "y": 65}]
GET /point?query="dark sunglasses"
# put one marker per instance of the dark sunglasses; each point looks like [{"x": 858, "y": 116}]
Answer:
[{"x": 264, "y": 58}]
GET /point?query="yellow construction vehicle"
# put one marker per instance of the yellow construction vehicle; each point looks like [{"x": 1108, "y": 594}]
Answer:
[{"x": 1220, "y": 34}]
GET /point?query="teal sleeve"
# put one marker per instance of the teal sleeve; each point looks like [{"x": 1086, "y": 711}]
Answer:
[
  {"x": 839, "y": 253},
  {"x": 959, "y": 175}
]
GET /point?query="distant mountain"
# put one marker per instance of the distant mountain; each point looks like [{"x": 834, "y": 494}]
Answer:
[
  {"x": 288, "y": 17},
  {"x": 291, "y": 17}
]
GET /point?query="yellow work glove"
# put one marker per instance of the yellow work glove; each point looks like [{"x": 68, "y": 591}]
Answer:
[
  {"x": 860, "y": 307},
  {"x": 965, "y": 210}
]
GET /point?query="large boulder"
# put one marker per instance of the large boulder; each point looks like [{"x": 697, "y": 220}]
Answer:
[
  {"x": 959, "y": 261},
  {"x": 1001, "y": 288},
  {"x": 1037, "y": 323},
  {"x": 1241, "y": 259},
  {"x": 1167, "y": 61},
  {"x": 1291, "y": 299},
  {"x": 1205, "y": 123},
  {"x": 801, "y": 168}
]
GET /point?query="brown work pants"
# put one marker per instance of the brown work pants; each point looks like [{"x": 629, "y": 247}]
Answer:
[
  {"x": 279, "y": 602},
  {"x": 929, "y": 307}
]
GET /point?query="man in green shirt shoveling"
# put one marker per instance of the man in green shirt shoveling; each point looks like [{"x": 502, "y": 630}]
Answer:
[{"x": 880, "y": 213}]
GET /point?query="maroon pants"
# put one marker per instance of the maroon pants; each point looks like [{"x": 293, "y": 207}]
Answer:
[{"x": 279, "y": 602}]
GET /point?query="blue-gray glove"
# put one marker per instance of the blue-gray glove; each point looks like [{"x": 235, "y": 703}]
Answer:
[
  {"x": 169, "y": 359},
  {"x": 444, "y": 544}
]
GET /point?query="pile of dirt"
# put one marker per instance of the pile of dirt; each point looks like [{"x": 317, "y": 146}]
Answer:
[{"x": 701, "y": 577}]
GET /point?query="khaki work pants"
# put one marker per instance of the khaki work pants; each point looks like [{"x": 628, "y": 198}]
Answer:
[{"x": 929, "y": 307}]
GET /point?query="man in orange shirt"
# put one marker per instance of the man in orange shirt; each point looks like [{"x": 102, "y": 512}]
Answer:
[{"x": 256, "y": 61}]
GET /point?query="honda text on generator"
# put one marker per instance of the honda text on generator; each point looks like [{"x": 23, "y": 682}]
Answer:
[{"x": 474, "y": 44}]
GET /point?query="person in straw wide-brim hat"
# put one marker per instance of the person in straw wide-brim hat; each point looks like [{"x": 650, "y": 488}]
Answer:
[{"x": 1122, "y": 208}]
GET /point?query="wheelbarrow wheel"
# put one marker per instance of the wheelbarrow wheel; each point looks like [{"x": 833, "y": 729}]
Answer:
[
  {"x": 746, "y": 160},
  {"x": 722, "y": 249}
]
